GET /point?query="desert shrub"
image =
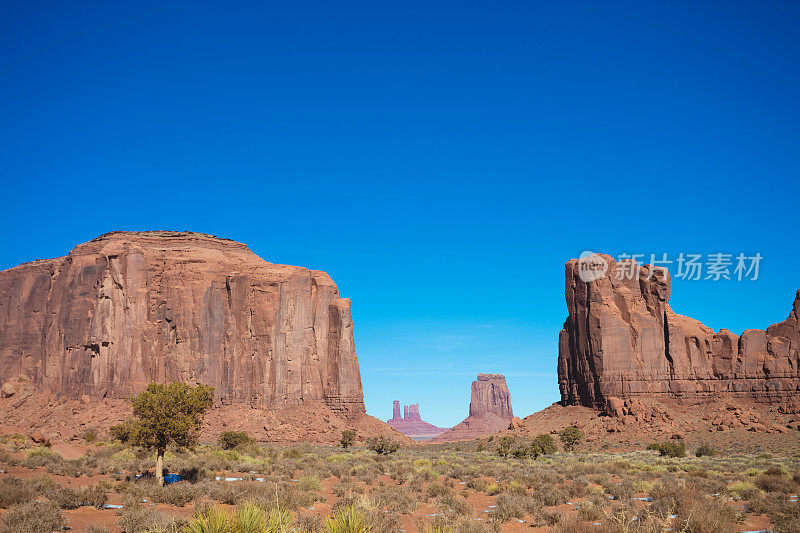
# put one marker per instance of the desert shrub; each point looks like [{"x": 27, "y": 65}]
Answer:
[
  {"x": 774, "y": 483},
  {"x": 140, "y": 519},
  {"x": 292, "y": 453},
  {"x": 505, "y": 444},
  {"x": 90, "y": 435},
  {"x": 34, "y": 517},
  {"x": 308, "y": 523},
  {"x": 393, "y": 499},
  {"x": 708, "y": 516},
  {"x": 589, "y": 512},
  {"x": 543, "y": 445},
  {"x": 672, "y": 449},
  {"x": 654, "y": 446},
  {"x": 705, "y": 450},
  {"x": 343, "y": 487},
  {"x": 348, "y": 437},
  {"x": 453, "y": 504},
  {"x": 177, "y": 494},
  {"x": 382, "y": 446},
  {"x": 744, "y": 490},
  {"x": 66, "y": 498},
  {"x": 122, "y": 432},
  {"x": 192, "y": 474},
  {"x": 570, "y": 437},
  {"x": 479, "y": 484},
  {"x": 507, "y": 507},
  {"x": 549, "y": 495},
  {"x": 13, "y": 491},
  {"x": 96, "y": 528},
  {"x": 349, "y": 519},
  {"x": 229, "y": 440},
  {"x": 309, "y": 483},
  {"x": 435, "y": 489},
  {"x": 95, "y": 495}
]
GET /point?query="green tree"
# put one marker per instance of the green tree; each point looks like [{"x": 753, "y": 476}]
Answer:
[
  {"x": 168, "y": 414},
  {"x": 382, "y": 446},
  {"x": 543, "y": 445},
  {"x": 672, "y": 449},
  {"x": 506, "y": 441},
  {"x": 348, "y": 436},
  {"x": 229, "y": 440},
  {"x": 570, "y": 437}
]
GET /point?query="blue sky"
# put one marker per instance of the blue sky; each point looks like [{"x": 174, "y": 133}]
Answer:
[{"x": 440, "y": 160}]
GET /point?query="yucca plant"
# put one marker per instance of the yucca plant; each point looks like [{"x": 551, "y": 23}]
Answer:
[
  {"x": 250, "y": 518},
  {"x": 214, "y": 520},
  {"x": 279, "y": 521},
  {"x": 349, "y": 519}
]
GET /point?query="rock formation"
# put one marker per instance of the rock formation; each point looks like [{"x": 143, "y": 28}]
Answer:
[
  {"x": 489, "y": 410},
  {"x": 411, "y": 424},
  {"x": 622, "y": 340},
  {"x": 128, "y": 308}
]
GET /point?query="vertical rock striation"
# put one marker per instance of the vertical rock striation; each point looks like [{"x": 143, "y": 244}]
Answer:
[
  {"x": 622, "y": 339},
  {"x": 489, "y": 410},
  {"x": 128, "y": 308}
]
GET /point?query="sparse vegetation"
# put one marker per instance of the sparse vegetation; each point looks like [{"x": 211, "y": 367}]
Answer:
[
  {"x": 238, "y": 486},
  {"x": 672, "y": 449},
  {"x": 382, "y": 446},
  {"x": 570, "y": 437},
  {"x": 348, "y": 437},
  {"x": 228, "y": 440}
]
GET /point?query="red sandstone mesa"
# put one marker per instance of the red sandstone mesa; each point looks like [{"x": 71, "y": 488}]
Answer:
[
  {"x": 489, "y": 410},
  {"x": 622, "y": 339},
  {"x": 128, "y": 308}
]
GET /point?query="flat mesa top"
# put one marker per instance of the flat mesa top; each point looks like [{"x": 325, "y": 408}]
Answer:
[{"x": 490, "y": 377}]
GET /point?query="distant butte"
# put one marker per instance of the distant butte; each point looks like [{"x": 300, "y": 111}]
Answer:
[
  {"x": 410, "y": 424},
  {"x": 489, "y": 410}
]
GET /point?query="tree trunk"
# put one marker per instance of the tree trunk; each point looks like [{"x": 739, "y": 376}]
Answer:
[{"x": 160, "y": 468}]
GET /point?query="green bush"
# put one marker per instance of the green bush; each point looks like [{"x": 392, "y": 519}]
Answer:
[
  {"x": 382, "y": 446},
  {"x": 543, "y": 445},
  {"x": 672, "y": 449},
  {"x": 506, "y": 442},
  {"x": 122, "y": 432},
  {"x": 570, "y": 437},
  {"x": 229, "y": 440},
  {"x": 348, "y": 437},
  {"x": 705, "y": 450},
  {"x": 654, "y": 446}
]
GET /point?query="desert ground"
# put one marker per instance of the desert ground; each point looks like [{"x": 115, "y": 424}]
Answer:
[{"x": 96, "y": 484}]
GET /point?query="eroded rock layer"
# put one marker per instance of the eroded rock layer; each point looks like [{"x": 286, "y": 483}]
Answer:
[
  {"x": 129, "y": 308},
  {"x": 622, "y": 339}
]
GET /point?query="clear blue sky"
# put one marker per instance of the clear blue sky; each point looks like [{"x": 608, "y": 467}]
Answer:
[{"x": 440, "y": 160}]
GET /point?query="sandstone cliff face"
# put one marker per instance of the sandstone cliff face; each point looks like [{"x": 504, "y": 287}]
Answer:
[
  {"x": 490, "y": 396},
  {"x": 129, "y": 308},
  {"x": 489, "y": 410},
  {"x": 622, "y": 339}
]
